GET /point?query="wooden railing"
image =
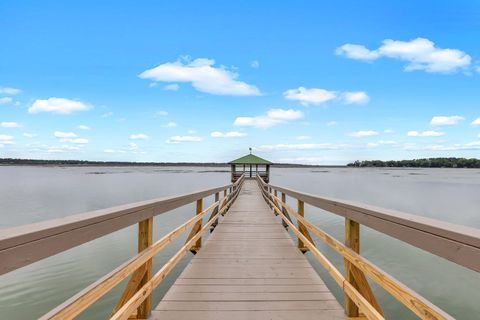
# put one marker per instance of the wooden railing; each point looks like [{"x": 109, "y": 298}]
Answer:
[
  {"x": 453, "y": 242},
  {"x": 24, "y": 245}
]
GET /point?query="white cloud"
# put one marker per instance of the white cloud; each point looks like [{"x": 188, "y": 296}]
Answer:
[
  {"x": 440, "y": 147},
  {"x": 420, "y": 54},
  {"x": 178, "y": 139},
  {"x": 9, "y": 91},
  {"x": 309, "y": 160},
  {"x": 230, "y": 134},
  {"x": 83, "y": 127},
  {"x": 6, "y": 139},
  {"x": 357, "y": 52},
  {"x": 29, "y": 135},
  {"x": 170, "y": 125},
  {"x": 309, "y": 96},
  {"x": 7, "y": 124},
  {"x": 171, "y": 87},
  {"x": 203, "y": 76},
  {"x": 58, "y": 105},
  {"x": 446, "y": 120},
  {"x": 192, "y": 131},
  {"x": 355, "y": 97},
  {"x": 273, "y": 117},
  {"x": 363, "y": 133},
  {"x": 303, "y": 138},
  {"x": 255, "y": 64},
  {"x": 425, "y": 134},
  {"x": 61, "y": 149},
  {"x": 139, "y": 136},
  {"x": 388, "y": 131},
  {"x": 476, "y": 122},
  {"x": 64, "y": 135},
  {"x": 5, "y": 100},
  {"x": 69, "y": 137},
  {"x": 300, "y": 146},
  {"x": 315, "y": 96},
  {"x": 386, "y": 142},
  {"x": 161, "y": 113},
  {"x": 332, "y": 123},
  {"x": 109, "y": 151},
  {"x": 80, "y": 141}
]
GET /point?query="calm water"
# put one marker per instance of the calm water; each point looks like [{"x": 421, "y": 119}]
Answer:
[{"x": 31, "y": 194}]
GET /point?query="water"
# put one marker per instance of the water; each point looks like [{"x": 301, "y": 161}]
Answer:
[{"x": 31, "y": 194}]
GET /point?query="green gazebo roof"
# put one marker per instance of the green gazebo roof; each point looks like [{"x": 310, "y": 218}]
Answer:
[{"x": 250, "y": 159}]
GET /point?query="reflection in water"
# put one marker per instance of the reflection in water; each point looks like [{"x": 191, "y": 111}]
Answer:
[{"x": 31, "y": 194}]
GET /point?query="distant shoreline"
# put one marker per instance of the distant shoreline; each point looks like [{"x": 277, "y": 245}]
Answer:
[
  {"x": 450, "y": 162},
  {"x": 81, "y": 163}
]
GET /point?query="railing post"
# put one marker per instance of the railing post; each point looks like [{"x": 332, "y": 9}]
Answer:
[
  {"x": 352, "y": 241},
  {"x": 217, "y": 198},
  {"x": 301, "y": 227},
  {"x": 196, "y": 228},
  {"x": 145, "y": 239},
  {"x": 284, "y": 211}
]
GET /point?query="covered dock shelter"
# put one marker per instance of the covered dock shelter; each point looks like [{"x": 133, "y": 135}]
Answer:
[{"x": 252, "y": 166}]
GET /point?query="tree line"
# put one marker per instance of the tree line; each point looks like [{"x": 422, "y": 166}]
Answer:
[{"x": 421, "y": 163}]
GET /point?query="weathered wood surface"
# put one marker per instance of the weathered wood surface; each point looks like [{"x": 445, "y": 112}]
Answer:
[{"x": 249, "y": 268}]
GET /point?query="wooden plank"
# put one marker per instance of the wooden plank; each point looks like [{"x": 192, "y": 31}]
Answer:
[
  {"x": 236, "y": 281},
  {"x": 250, "y": 315},
  {"x": 248, "y": 296},
  {"x": 21, "y": 246},
  {"x": 249, "y": 265},
  {"x": 459, "y": 244},
  {"x": 249, "y": 288},
  {"x": 319, "y": 306}
]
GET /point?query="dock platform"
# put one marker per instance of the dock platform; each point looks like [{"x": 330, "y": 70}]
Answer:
[{"x": 249, "y": 268}]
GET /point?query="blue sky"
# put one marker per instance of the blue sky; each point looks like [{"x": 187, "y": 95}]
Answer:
[{"x": 302, "y": 81}]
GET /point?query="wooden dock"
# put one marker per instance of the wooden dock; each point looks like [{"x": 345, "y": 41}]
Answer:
[{"x": 249, "y": 268}]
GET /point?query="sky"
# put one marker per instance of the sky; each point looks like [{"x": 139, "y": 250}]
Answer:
[{"x": 202, "y": 81}]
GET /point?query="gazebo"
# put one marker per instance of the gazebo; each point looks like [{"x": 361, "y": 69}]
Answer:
[{"x": 252, "y": 166}]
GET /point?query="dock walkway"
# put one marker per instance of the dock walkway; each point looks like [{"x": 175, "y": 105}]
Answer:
[{"x": 249, "y": 268}]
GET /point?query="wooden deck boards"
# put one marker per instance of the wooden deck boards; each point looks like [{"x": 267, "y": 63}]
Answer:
[{"x": 249, "y": 268}]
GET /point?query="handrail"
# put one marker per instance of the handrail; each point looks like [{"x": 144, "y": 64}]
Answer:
[
  {"x": 360, "y": 266},
  {"x": 23, "y": 245},
  {"x": 459, "y": 244},
  {"x": 22, "y": 241}
]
